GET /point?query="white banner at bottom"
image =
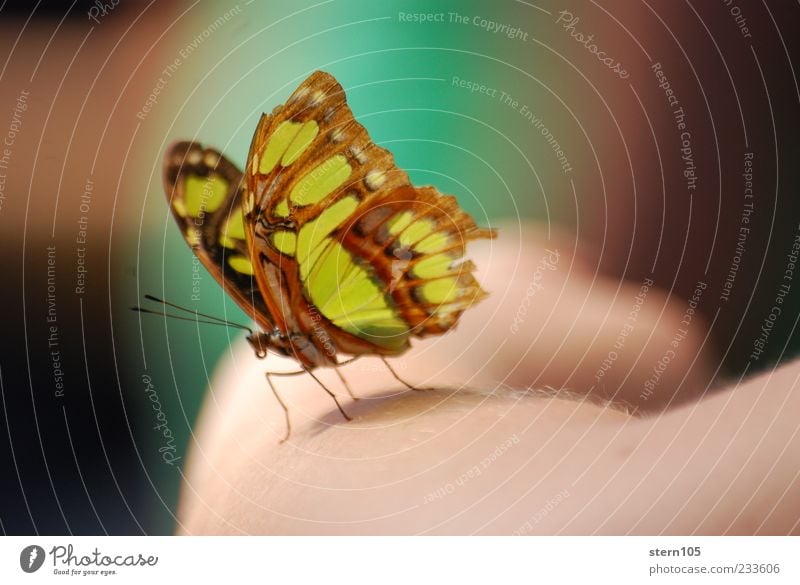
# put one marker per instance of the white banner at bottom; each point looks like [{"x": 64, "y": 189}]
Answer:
[{"x": 400, "y": 560}]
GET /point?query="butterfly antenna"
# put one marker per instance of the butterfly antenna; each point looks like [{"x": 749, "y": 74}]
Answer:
[{"x": 212, "y": 320}]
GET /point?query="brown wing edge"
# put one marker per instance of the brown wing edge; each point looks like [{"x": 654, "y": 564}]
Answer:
[
  {"x": 366, "y": 236},
  {"x": 185, "y": 158}
]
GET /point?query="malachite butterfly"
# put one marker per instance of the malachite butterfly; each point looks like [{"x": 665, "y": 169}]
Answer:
[{"x": 322, "y": 240}]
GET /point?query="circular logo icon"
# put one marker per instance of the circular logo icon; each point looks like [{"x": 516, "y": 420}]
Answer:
[{"x": 31, "y": 558}]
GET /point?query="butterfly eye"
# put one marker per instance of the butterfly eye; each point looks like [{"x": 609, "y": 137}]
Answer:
[{"x": 259, "y": 344}]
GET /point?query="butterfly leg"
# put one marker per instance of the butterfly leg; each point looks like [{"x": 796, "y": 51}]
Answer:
[
  {"x": 398, "y": 378},
  {"x": 283, "y": 406},
  {"x": 346, "y": 385},
  {"x": 331, "y": 394}
]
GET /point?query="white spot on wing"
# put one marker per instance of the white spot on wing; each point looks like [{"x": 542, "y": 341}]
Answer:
[
  {"x": 247, "y": 202},
  {"x": 375, "y": 179},
  {"x": 211, "y": 159},
  {"x": 316, "y": 98},
  {"x": 336, "y": 135},
  {"x": 193, "y": 157},
  {"x": 300, "y": 93}
]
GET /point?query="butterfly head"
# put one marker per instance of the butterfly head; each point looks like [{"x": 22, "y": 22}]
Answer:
[
  {"x": 262, "y": 341},
  {"x": 296, "y": 345}
]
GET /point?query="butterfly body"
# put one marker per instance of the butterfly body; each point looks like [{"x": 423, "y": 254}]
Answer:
[{"x": 322, "y": 240}]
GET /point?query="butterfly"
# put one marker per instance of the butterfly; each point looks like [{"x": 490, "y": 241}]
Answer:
[{"x": 322, "y": 240}]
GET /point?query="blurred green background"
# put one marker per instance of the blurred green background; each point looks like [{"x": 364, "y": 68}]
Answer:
[
  {"x": 405, "y": 81},
  {"x": 621, "y": 201}
]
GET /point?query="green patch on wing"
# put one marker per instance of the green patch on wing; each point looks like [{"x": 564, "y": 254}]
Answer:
[
  {"x": 204, "y": 194},
  {"x": 232, "y": 230},
  {"x": 346, "y": 292}
]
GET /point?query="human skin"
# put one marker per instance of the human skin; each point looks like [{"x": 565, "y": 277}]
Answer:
[{"x": 484, "y": 450}]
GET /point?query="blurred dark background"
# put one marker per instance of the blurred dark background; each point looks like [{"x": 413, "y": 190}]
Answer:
[{"x": 78, "y": 449}]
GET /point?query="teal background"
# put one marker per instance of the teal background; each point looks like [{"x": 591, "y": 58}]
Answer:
[
  {"x": 94, "y": 466},
  {"x": 399, "y": 82}
]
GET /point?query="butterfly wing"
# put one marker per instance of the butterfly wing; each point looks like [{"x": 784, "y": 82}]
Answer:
[
  {"x": 204, "y": 191},
  {"x": 346, "y": 243},
  {"x": 414, "y": 238}
]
